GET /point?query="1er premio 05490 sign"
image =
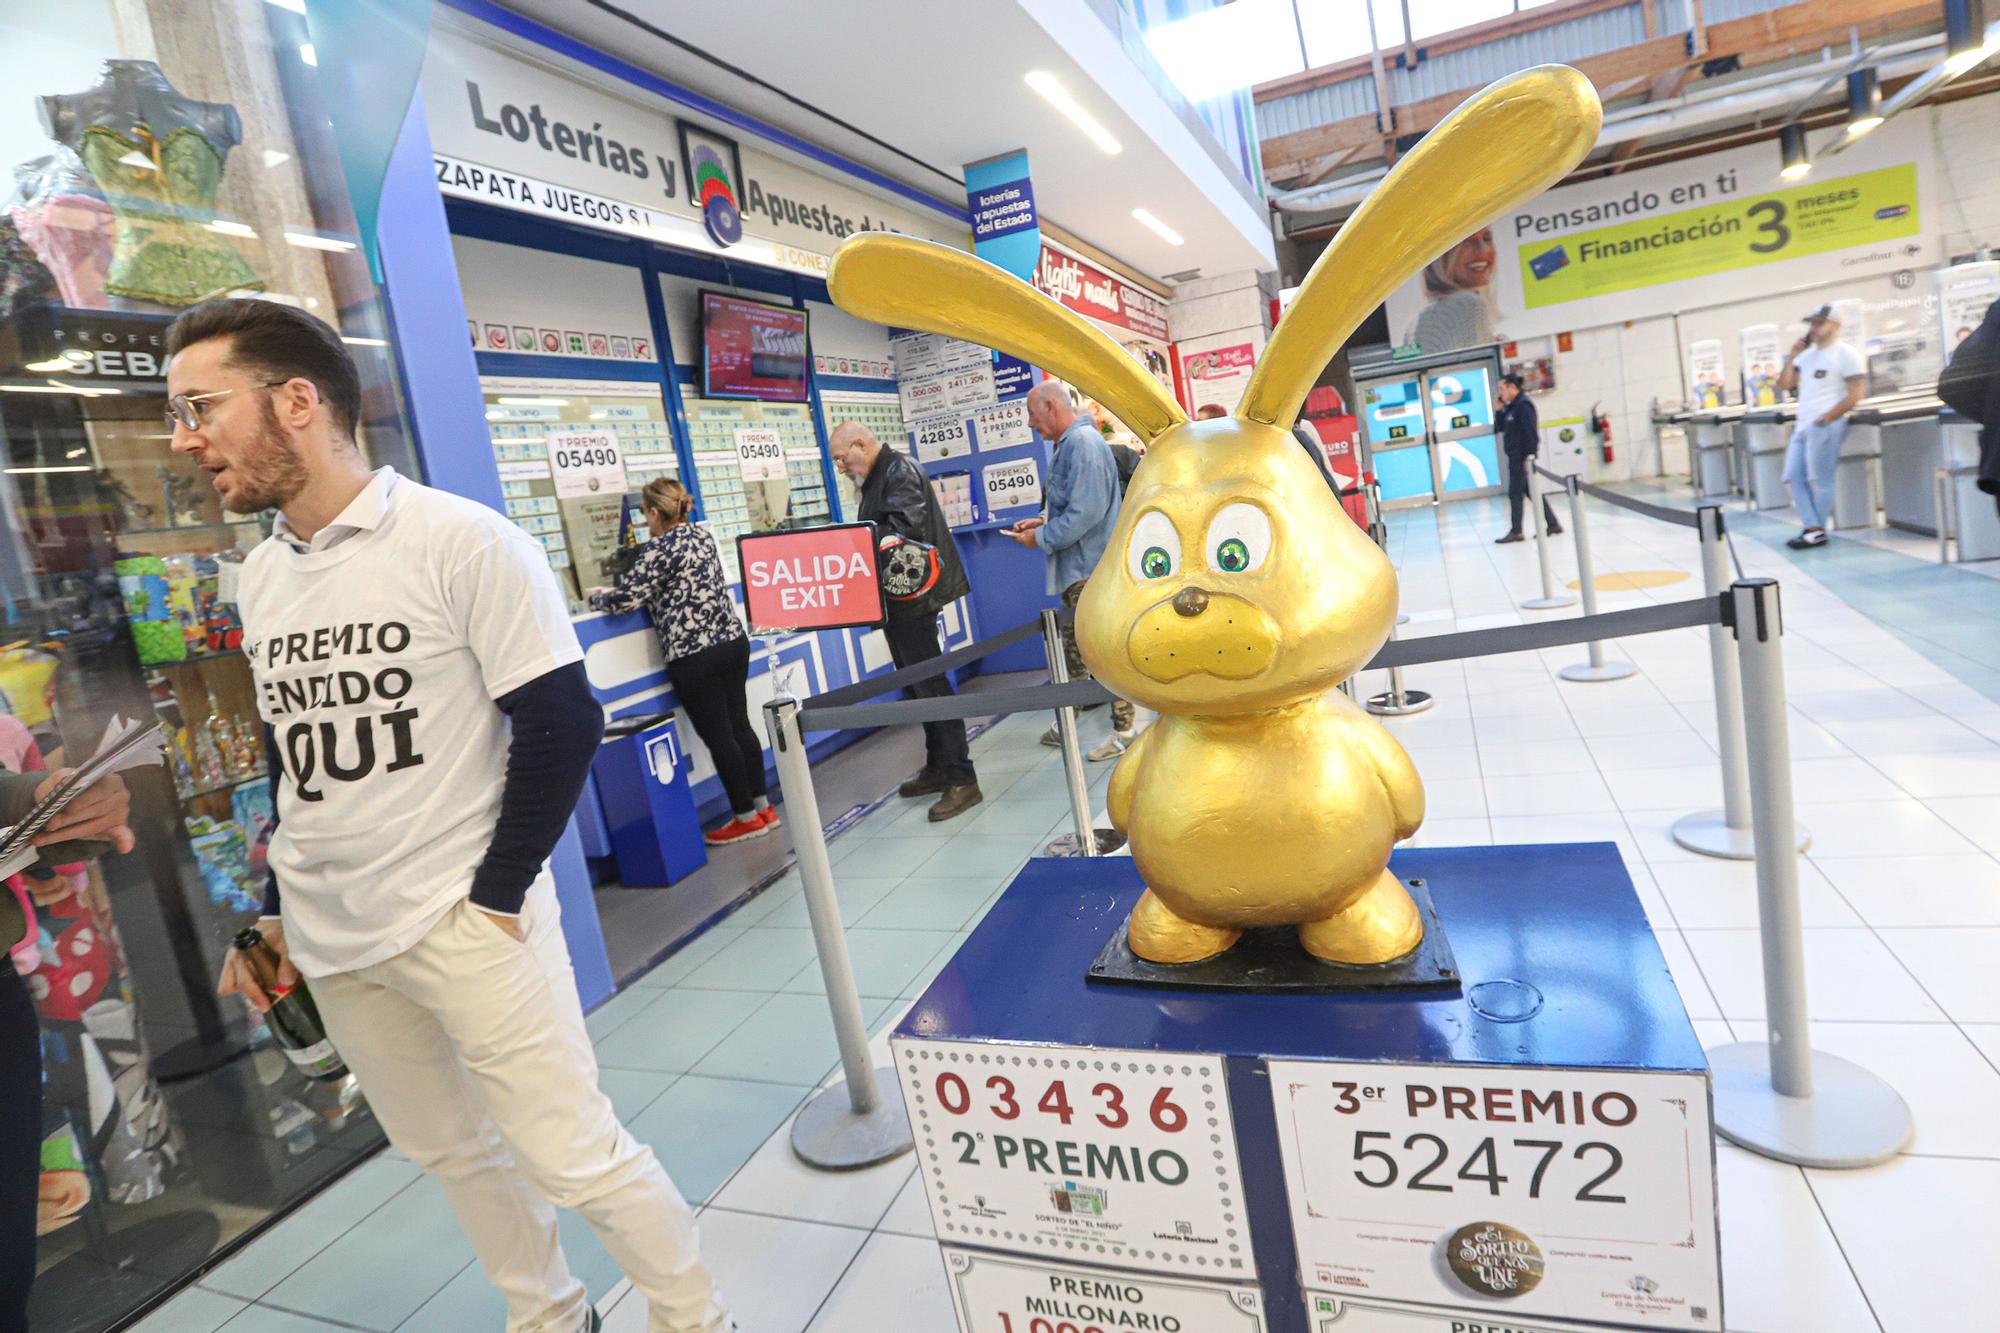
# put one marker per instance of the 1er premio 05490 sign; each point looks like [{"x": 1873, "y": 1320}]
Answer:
[
  {"x": 1126, "y": 1157},
  {"x": 585, "y": 463},
  {"x": 1570, "y": 1193}
]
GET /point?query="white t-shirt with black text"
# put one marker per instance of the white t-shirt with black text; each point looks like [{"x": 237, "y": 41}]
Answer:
[
  {"x": 377, "y": 656},
  {"x": 1823, "y": 376}
]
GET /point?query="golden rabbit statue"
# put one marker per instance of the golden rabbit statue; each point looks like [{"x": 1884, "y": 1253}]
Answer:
[{"x": 1235, "y": 594}]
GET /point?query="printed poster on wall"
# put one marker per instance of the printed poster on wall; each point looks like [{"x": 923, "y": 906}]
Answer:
[
  {"x": 1012, "y": 485},
  {"x": 1005, "y": 229},
  {"x": 1677, "y": 237},
  {"x": 1705, "y": 373},
  {"x": 1220, "y": 374},
  {"x": 1763, "y": 355},
  {"x": 1965, "y": 292}
]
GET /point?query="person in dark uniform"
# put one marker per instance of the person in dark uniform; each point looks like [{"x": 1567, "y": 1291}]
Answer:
[
  {"x": 897, "y": 497},
  {"x": 1520, "y": 431}
]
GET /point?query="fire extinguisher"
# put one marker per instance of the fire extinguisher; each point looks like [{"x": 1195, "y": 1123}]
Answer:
[{"x": 1600, "y": 426}]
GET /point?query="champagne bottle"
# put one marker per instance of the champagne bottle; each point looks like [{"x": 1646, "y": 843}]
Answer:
[{"x": 293, "y": 1017}]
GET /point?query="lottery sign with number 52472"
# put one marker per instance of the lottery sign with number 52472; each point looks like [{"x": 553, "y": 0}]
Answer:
[
  {"x": 1571, "y": 1193},
  {"x": 1123, "y": 1157}
]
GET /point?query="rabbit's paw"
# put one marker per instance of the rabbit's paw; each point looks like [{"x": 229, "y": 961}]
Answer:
[
  {"x": 1157, "y": 935},
  {"x": 1378, "y": 927}
]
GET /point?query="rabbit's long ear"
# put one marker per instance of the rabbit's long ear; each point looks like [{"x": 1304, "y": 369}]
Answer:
[
  {"x": 899, "y": 280},
  {"x": 1501, "y": 147}
]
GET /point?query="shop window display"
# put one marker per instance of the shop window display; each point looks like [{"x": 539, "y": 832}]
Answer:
[{"x": 163, "y": 155}]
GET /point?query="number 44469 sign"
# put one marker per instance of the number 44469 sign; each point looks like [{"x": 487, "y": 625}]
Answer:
[
  {"x": 1565, "y": 1193},
  {"x": 1122, "y": 1157}
]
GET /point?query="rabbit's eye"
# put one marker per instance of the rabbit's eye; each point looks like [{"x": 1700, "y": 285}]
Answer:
[
  {"x": 1155, "y": 551},
  {"x": 1239, "y": 537}
]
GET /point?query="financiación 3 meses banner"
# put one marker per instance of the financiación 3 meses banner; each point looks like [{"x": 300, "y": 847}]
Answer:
[{"x": 1702, "y": 232}]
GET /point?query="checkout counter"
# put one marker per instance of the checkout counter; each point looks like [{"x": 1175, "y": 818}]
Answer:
[{"x": 1718, "y": 466}]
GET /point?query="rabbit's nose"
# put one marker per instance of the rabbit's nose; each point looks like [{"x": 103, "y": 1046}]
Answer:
[{"x": 1190, "y": 601}]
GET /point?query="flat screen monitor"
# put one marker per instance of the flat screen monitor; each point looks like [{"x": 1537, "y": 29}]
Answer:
[{"x": 752, "y": 349}]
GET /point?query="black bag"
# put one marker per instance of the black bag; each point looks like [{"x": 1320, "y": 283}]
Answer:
[{"x": 1127, "y": 459}]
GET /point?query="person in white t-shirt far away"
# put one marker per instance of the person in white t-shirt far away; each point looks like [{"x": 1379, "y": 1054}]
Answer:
[
  {"x": 1830, "y": 377},
  {"x": 430, "y": 728}
]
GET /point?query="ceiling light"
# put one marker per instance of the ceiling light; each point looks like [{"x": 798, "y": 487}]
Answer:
[
  {"x": 225, "y": 227},
  {"x": 53, "y": 366},
  {"x": 307, "y": 54},
  {"x": 532, "y": 402},
  {"x": 53, "y": 387},
  {"x": 364, "y": 342},
  {"x": 1058, "y": 97},
  {"x": 36, "y": 471},
  {"x": 1864, "y": 102},
  {"x": 1792, "y": 147},
  {"x": 1157, "y": 227},
  {"x": 306, "y": 240},
  {"x": 272, "y": 157}
]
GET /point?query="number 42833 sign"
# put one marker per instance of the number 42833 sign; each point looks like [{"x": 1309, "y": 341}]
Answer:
[{"x": 1126, "y": 1157}]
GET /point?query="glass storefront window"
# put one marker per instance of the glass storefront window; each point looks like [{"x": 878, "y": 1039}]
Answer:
[{"x": 158, "y": 153}]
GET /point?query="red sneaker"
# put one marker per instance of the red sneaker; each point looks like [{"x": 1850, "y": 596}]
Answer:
[
  {"x": 769, "y": 814},
  {"x": 736, "y": 830}
]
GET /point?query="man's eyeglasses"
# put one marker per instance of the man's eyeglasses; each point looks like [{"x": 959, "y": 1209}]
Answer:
[{"x": 187, "y": 409}]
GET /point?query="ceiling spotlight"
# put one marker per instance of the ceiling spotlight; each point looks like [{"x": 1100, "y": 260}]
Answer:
[
  {"x": 1864, "y": 102},
  {"x": 1792, "y": 146},
  {"x": 1157, "y": 227},
  {"x": 1058, "y": 97}
]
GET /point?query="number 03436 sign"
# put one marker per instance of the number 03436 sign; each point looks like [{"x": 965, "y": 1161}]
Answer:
[
  {"x": 585, "y": 463},
  {"x": 1125, "y": 1157},
  {"x": 1568, "y": 1193}
]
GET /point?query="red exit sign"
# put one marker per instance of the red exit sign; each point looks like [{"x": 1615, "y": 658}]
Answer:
[{"x": 811, "y": 578}]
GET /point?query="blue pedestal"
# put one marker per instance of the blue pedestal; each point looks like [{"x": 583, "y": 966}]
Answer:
[
  {"x": 1566, "y": 996},
  {"x": 648, "y": 808}
]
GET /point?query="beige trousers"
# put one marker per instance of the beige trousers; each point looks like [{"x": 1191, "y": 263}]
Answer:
[{"x": 472, "y": 1050}]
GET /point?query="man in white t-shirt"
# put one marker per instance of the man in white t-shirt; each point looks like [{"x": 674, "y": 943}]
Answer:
[
  {"x": 431, "y": 728},
  {"x": 1831, "y": 378}
]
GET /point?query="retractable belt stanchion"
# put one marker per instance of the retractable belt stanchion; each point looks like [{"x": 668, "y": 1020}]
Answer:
[
  {"x": 1780, "y": 1097},
  {"x": 1086, "y": 841},
  {"x": 1550, "y": 599},
  {"x": 1724, "y": 833},
  {"x": 863, "y": 1123},
  {"x": 1586, "y": 582},
  {"x": 1397, "y": 701}
]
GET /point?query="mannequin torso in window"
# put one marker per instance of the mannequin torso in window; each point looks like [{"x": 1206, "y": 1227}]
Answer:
[{"x": 158, "y": 158}]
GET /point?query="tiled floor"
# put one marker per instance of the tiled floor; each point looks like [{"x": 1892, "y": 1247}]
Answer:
[{"x": 1897, "y": 770}]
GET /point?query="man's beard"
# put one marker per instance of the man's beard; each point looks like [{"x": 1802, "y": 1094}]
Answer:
[{"x": 272, "y": 474}]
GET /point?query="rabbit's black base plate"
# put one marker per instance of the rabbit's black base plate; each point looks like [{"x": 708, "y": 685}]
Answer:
[{"x": 1270, "y": 959}]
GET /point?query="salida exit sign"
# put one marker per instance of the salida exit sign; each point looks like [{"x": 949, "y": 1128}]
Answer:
[{"x": 812, "y": 578}]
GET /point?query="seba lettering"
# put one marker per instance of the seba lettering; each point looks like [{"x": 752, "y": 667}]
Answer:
[{"x": 343, "y": 748}]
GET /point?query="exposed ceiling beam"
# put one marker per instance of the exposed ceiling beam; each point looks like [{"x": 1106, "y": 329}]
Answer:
[{"x": 1663, "y": 86}]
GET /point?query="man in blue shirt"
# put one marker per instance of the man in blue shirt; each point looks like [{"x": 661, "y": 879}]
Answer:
[{"x": 1081, "y": 508}]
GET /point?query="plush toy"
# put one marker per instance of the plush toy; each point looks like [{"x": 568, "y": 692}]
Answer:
[{"x": 1234, "y": 595}]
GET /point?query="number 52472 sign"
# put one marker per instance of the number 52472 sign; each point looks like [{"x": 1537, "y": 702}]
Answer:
[
  {"x": 1570, "y": 1193},
  {"x": 1127, "y": 1157}
]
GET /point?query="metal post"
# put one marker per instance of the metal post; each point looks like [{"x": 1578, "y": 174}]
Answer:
[
  {"x": 866, "y": 1123},
  {"x": 1586, "y": 581},
  {"x": 1085, "y": 841},
  {"x": 1780, "y": 1097},
  {"x": 1941, "y": 483},
  {"x": 1723, "y": 833},
  {"x": 1398, "y": 702},
  {"x": 1548, "y": 601},
  {"x": 1378, "y": 531}
]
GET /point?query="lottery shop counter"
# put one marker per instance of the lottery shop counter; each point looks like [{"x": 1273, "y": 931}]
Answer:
[{"x": 1529, "y": 1148}]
